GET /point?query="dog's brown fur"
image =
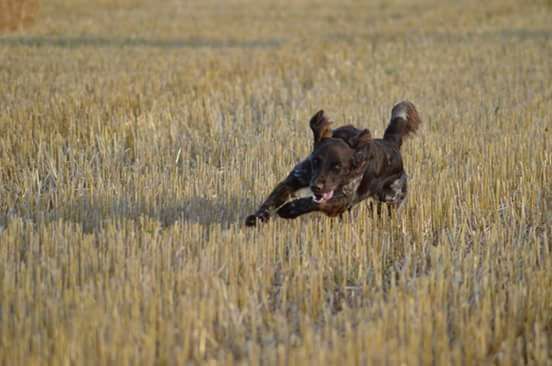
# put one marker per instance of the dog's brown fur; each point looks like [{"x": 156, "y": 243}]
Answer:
[{"x": 345, "y": 167}]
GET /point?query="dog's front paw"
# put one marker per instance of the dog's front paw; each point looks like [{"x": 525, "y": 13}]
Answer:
[
  {"x": 261, "y": 216},
  {"x": 251, "y": 220}
]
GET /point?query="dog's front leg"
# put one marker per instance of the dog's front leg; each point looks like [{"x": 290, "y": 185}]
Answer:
[
  {"x": 296, "y": 208},
  {"x": 297, "y": 179}
]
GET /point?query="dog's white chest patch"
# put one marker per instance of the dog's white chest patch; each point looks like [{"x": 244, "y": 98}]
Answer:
[{"x": 303, "y": 193}]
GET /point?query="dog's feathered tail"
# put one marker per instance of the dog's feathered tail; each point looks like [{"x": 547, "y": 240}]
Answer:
[{"x": 404, "y": 122}]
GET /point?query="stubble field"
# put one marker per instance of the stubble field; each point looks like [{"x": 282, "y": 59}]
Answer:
[{"x": 136, "y": 136}]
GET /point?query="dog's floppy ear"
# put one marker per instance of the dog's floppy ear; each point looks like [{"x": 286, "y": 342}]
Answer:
[
  {"x": 360, "y": 143},
  {"x": 320, "y": 126}
]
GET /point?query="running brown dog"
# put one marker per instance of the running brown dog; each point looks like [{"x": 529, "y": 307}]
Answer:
[{"x": 345, "y": 167}]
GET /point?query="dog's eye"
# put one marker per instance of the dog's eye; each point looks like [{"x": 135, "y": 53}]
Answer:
[{"x": 336, "y": 167}]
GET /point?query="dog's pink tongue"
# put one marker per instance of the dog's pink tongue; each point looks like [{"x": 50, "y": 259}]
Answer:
[{"x": 326, "y": 196}]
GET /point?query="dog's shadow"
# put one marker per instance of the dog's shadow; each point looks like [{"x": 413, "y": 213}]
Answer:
[
  {"x": 93, "y": 215},
  {"x": 205, "y": 211}
]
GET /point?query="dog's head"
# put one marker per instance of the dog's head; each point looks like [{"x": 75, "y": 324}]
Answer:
[{"x": 335, "y": 162}]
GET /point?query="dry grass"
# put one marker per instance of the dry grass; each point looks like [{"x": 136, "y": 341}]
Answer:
[{"x": 135, "y": 138}]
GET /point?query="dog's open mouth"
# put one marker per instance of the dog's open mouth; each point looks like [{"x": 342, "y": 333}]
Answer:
[{"x": 320, "y": 198}]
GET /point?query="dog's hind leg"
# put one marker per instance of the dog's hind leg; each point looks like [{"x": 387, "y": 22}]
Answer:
[
  {"x": 375, "y": 207},
  {"x": 400, "y": 206},
  {"x": 395, "y": 194}
]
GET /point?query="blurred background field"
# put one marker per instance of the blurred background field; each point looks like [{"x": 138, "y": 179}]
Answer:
[{"x": 135, "y": 136}]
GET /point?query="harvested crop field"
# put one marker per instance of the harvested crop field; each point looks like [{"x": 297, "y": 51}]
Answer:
[{"x": 136, "y": 136}]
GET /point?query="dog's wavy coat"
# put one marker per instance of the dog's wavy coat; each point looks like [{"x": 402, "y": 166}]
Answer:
[{"x": 345, "y": 167}]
